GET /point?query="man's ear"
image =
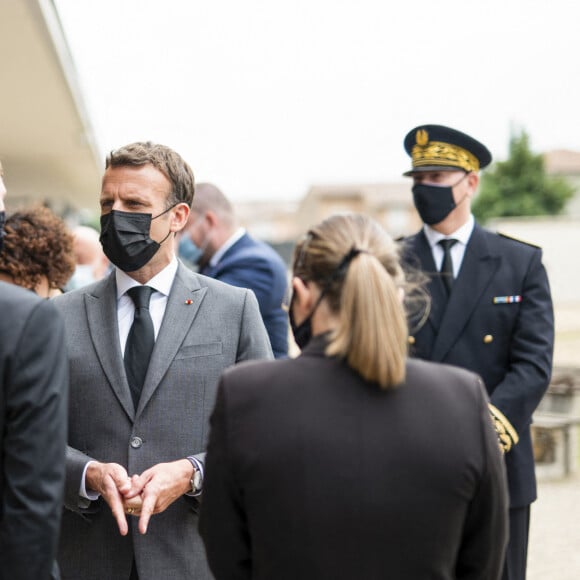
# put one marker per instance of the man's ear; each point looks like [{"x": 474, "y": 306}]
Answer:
[
  {"x": 179, "y": 217},
  {"x": 473, "y": 182},
  {"x": 211, "y": 218}
]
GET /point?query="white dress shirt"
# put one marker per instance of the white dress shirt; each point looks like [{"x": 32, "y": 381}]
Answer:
[
  {"x": 161, "y": 283},
  {"x": 462, "y": 236}
]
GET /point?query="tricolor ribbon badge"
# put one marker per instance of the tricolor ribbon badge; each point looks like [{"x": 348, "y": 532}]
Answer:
[{"x": 507, "y": 299}]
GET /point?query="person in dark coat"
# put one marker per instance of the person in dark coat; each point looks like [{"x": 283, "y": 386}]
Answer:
[
  {"x": 491, "y": 309},
  {"x": 352, "y": 461},
  {"x": 33, "y": 422}
]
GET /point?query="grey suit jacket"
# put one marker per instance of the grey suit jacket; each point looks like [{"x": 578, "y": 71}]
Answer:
[{"x": 208, "y": 326}]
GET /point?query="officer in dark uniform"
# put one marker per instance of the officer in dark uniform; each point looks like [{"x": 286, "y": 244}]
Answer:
[{"x": 491, "y": 308}]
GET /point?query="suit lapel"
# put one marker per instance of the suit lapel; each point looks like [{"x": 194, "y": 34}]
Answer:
[
  {"x": 435, "y": 287},
  {"x": 183, "y": 303},
  {"x": 477, "y": 270},
  {"x": 101, "y": 309}
]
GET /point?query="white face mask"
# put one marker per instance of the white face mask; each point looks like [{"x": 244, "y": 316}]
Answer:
[{"x": 83, "y": 275}]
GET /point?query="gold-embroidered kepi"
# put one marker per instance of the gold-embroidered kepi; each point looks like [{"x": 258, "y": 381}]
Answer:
[
  {"x": 435, "y": 147},
  {"x": 427, "y": 152}
]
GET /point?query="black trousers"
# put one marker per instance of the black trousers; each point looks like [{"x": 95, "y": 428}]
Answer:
[
  {"x": 134, "y": 575},
  {"x": 517, "y": 550}
]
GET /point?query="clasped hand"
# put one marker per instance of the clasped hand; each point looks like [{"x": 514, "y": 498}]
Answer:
[{"x": 140, "y": 495}]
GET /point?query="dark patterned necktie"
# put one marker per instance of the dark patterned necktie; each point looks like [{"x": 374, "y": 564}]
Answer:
[
  {"x": 447, "y": 264},
  {"x": 140, "y": 341}
]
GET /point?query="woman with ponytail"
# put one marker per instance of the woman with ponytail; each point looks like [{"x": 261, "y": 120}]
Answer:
[{"x": 352, "y": 461}]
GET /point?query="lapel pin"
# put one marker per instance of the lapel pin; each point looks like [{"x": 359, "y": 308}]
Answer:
[
  {"x": 507, "y": 299},
  {"x": 188, "y": 302}
]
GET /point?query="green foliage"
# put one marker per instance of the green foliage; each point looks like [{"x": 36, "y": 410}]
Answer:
[{"x": 520, "y": 186}]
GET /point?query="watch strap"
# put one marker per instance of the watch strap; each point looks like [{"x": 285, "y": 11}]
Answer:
[{"x": 197, "y": 479}]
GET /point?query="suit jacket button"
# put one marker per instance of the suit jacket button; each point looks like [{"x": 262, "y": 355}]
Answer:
[
  {"x": 411, "y": 340},
  {"x": 488, "y": 338},
  {"x": 136, "y": 442}
]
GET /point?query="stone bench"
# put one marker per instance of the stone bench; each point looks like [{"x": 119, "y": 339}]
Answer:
[{"x": 554, "y": 437}]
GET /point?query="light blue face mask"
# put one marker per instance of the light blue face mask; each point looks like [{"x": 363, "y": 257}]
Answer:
[
  {"x": 188, "y": 250},
  {"x": 83, "y": 276}
]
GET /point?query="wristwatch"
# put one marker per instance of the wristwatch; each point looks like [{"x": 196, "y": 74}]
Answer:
[{"x": 197, "y": 478}]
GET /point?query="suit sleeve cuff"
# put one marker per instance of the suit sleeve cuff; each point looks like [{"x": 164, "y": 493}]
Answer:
[{"x": 506, "y": 432}]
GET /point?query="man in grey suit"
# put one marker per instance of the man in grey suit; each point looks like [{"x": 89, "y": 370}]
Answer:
[{"x": 144, "y": 373}]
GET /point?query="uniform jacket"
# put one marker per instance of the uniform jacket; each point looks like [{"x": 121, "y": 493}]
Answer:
[
  {"x": 499, "y": 323},
  {"x": 33, "y": 411},
  {"x": 313, "y": 473},
  {"x": 207, "y": 327},
  {"x": 253, "y": 264}
]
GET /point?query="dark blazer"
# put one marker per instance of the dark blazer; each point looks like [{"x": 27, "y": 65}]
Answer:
[
  {"x": 253, "y": 264},
  {"x": 207, "y": 327},
  {"x": 33, "y": 411},
  {"x": 509, "y": 344},
  {"x": 313, "y": 473}
]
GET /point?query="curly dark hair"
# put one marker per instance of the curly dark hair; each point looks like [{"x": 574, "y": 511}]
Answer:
[{"x": 37, "y": 243}]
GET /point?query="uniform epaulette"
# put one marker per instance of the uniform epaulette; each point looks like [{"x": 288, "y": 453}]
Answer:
[{"x": 517, "y": 240}]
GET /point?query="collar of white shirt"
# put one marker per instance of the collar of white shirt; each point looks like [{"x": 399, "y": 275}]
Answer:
[
  {"x": 161, "y": 282},
  {"x": 462, "y": 234},
  {"x": 226, "y": 246}
]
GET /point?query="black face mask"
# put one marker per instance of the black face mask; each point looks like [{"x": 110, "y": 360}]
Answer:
[
  {"x": 302, "y": 332},
  {"x": 125, "y": 238},
  {"x": 434, "y": 202},
  {"x": 2, "y": 222}
]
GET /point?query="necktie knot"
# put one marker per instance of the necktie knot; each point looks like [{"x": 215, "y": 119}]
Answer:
[
  {"x": 141, "y": 296},
  {"x": 447, "y": 244}
]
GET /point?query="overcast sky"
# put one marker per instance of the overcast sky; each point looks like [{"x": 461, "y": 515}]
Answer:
[{"x": 265, "y": 98}]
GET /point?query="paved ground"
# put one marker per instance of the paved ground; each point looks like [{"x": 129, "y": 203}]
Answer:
[{"x": 554, "y": 551}]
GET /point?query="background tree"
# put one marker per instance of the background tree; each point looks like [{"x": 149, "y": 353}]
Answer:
[{"x": 520, "y": 186}]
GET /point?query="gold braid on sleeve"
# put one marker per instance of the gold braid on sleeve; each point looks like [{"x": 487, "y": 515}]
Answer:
[{"x": 506, "y": 434}]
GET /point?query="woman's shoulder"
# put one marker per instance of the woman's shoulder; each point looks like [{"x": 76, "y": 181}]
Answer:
[
  {"x": 252, "y": 371},
  {"x": 426, "y": 374}
]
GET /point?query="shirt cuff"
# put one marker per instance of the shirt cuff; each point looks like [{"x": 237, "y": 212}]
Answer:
[{"x": 90, "y": 495}]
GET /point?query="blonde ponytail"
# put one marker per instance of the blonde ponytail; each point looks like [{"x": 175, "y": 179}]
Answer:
[
  {"x": 372, "y": 331},
  {"x": 356, "y": 265}
]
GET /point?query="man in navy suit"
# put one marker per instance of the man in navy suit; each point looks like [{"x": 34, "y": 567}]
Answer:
[
  {"x": 491, "y": 309},
  {"x": 227, "y": 253}
]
